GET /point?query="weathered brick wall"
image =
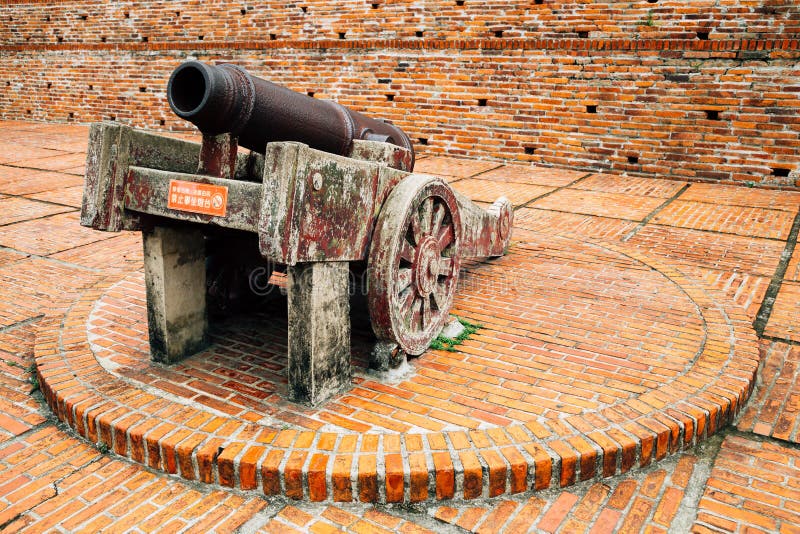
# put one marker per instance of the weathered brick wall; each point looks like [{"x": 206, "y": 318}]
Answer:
[
  {"x": 79, "y": 21},
  {"x": 641, "y": 91}
]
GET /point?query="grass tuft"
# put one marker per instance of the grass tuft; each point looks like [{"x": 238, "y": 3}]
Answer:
[{"x": 450, "y": 344}]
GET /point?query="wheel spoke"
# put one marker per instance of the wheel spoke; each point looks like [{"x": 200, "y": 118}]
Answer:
[
  {"x": 416, "y": 314},
  {"x": 407, "y": 251},
  {"x": 439, "y": 296},
  {"x": 426, "y": 311},
  {"x": 403, "y": 280},
  {"x": 438, "y": 217},
  {"x": 427, "y": 215},
  {"x": 416, "y": 229},
  {"x": 406, "y": 302},
  {"x": 445, "y": 236}
]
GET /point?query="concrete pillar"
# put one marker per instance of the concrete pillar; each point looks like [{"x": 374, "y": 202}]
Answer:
[
  {"x": 175, "y": 278},
  {"x": 319, "y": 331}
]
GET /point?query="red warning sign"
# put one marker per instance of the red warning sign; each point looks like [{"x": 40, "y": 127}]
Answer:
[{"x": 198, "y": 198}]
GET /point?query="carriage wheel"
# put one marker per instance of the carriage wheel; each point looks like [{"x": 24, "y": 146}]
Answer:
[{"x": 413, "y": 262}]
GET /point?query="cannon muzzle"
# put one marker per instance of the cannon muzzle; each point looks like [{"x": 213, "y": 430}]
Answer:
[{"x": 227, "y": 99}]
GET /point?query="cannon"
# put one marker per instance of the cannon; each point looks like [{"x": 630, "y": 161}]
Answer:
[
  {"x": 227, "y": 99},
  {"x": 322, "y": 189}
]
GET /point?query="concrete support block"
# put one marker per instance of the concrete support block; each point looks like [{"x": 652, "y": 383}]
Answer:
[
  {"x": 319, "y": 331},
  {"x": 386, "y": 356},
  {"x": 175, "y": 279}
]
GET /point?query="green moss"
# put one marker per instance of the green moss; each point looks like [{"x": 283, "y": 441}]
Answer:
[
  {"x": 450, "y": 344},
  {"x": 34, "y": 381}
]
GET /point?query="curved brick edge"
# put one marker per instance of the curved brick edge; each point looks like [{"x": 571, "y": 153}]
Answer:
[{"x": 322, "y": 466}]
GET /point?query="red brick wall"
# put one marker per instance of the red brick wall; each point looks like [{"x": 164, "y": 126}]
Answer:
[
  {"x": 666, "y": 102},
  {"x": 44, "y": 21}
]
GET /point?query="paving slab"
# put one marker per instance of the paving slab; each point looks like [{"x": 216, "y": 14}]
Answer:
[
  {"x": 489, "y": 190},
  {"x": 533, "y": 175},
  {"x": 14, "y": 152},
  {"x": 120, "y": 252},
  {"x": 60, "y": 162},
  {"x": 753, "y": 487},
  {"x": 750, "y": 197},
  {"x": 558, "y": 222},
  {"x": 31, "y": 286},
  {"x": 599, "y": 203},
  {"x": 654, "y": 500},
  {"x": 631, "y": 185},
  {"x": 740, "y": 220},
  {"x": 19, "y": 410},
  {"x": 68, "y": 196},
  {"x": 793, "y": 268},
  {"x": 16, "y": 209},
  {"x": 774, "y": 409},
  {"x": 49, "y": 235},
  {"x": 784, "y": 321},
  {"x": 62, "y": 483},
  {"x": 444, "y": 166},
  {"x": 23, "y": 181},
  {"x": 10, "y": 256},
  {"x": 747, "y": 290},
  {"x": 725, "y": 252}
]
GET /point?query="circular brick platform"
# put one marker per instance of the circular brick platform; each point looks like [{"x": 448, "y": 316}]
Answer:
[{"x": 591, "y": 359}]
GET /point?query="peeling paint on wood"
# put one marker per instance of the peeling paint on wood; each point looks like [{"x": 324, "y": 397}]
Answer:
[{"x": 147, "y": 191}]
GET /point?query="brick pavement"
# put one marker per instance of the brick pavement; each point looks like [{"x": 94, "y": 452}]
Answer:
[{"x": 52, "y": 480}]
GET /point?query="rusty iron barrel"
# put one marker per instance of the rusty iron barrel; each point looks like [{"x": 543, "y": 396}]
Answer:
[{"x": 227, "y": 99}]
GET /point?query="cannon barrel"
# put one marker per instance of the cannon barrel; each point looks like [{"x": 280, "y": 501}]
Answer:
[{"x": 227, "y": 99}]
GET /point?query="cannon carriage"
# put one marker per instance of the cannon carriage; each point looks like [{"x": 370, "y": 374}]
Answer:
[{"x": 322, "y": 187}]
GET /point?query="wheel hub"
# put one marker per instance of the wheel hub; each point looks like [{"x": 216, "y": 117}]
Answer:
[{"x": 426, "y": 270}]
